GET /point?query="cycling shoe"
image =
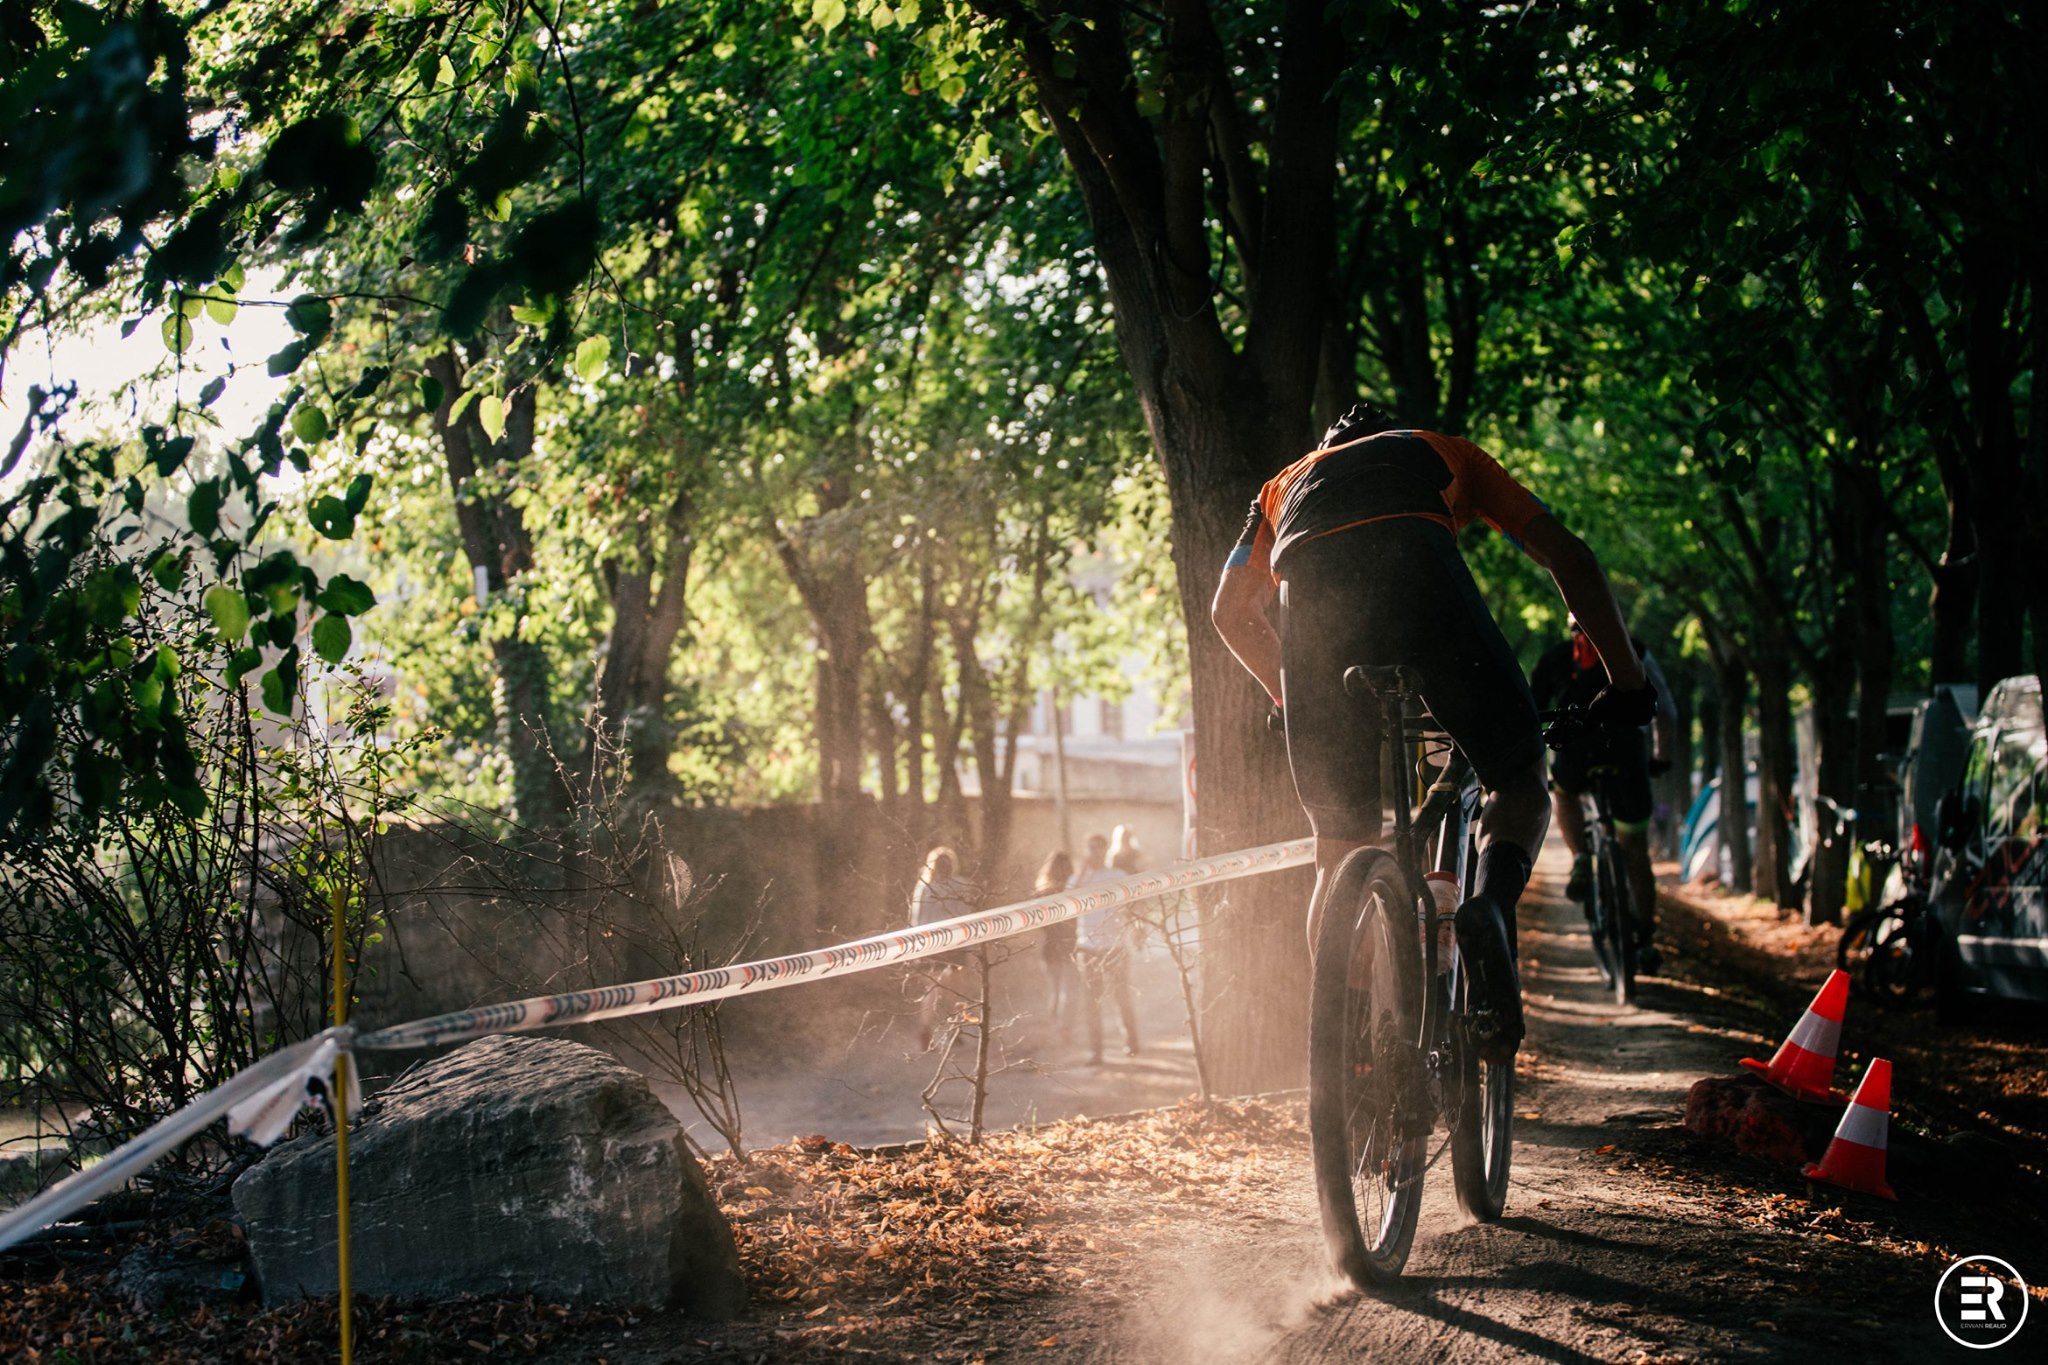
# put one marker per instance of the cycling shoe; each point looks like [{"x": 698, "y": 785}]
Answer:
[
  {"x": 1580, "y": 885},
  {"x": 1496, "y": 987},
  {"x": 1648, "y": 959}
]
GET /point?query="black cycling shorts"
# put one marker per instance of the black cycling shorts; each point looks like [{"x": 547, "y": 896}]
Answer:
[
  {"x": 1392, "y": 592},
  {"x": 1624, "y": 761}
]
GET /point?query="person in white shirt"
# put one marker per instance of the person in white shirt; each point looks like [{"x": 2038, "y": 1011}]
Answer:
[
  {"x": 1104, "y": 948},
  {"x": 940, "y": 894}
]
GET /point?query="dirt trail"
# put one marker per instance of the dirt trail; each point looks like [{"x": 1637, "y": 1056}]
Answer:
[{"x": 1594, "y": 1260}]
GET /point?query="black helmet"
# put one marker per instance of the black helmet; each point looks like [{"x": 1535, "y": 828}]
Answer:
[{"x": 1363, "y": 419}]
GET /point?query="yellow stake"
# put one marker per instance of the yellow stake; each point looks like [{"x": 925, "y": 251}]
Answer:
[{"x": 340, "y": 900}]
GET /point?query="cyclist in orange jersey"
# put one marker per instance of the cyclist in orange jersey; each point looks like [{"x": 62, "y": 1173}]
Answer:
[{"x": 1357, "y": 541}]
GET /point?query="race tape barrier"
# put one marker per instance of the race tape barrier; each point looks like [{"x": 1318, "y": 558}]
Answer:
[
  {"x": 265, "y": 1096},
  {"x": 287, "y": 1070},
  {"x": 880, "y": 950}
]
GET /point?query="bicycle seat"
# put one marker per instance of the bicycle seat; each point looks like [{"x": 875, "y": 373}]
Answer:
[{"x": 1389, "y": 679}]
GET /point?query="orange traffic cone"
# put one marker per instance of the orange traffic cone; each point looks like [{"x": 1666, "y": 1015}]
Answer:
[
  {"x": 1804, "y": 1064},
  {"x": 1855, "y": 1159}
]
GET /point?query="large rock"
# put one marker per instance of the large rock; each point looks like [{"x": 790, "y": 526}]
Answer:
[
  {"x": 1759, "y": 1119},
  {"x": 514, "y": 1165},
  {"x": 28, "y": 1172}
]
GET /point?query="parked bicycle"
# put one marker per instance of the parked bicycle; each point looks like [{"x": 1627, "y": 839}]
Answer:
[{"x": 1889, "y": 950}]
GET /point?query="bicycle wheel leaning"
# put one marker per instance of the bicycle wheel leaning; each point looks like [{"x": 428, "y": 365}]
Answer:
[
  {"x": 1369, "y": 1109},
  {"x": 1614, "y": 939},
  {"x": 1858, "y": 942},
  {"x": 1896, "y": 964}
]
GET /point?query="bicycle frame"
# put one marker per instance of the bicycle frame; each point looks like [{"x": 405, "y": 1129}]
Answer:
[{"x": 1447, "y": 812}]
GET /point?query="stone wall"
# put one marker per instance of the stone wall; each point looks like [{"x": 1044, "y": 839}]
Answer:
[{"x": 466, "y": 925}]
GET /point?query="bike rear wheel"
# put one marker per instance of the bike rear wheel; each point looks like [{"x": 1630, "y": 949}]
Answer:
[
  {"x": 1369, "y": 1108},
  {"x": 1483, "y": 1138}
]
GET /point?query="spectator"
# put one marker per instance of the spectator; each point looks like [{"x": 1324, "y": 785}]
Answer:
[
  {"x": 1062, "y": 978},
  {"x": 940, "y": 894},
  {"x": 1103, "y": 949}
]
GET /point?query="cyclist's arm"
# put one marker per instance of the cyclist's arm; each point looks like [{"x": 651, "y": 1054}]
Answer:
[
  {"x": 1583, "y": 585},
  {"x": 1239, "y": 611}
]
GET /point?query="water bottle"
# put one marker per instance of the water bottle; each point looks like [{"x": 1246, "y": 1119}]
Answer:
[{"x": 1444, "y": 894}]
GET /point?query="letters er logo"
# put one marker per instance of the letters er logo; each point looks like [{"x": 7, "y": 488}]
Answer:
[{"x": 1981, "y": 1302}]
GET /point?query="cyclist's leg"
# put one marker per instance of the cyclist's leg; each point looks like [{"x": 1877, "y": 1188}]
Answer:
[
  {"x": 1630, "y": 804},
  {"x": 1513, "y": 820},
  {"x": 1333, "y": 740},
  {"x": 1476, "y": 690},
  {"x": 1568, "y": 786},
  {"x": 1569, "y": 810}
]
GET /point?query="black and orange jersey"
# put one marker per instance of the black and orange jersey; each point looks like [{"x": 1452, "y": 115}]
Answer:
[{"x": 1445, "y": 479}]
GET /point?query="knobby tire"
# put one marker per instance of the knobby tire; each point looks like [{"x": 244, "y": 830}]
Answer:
[{"x": 1369, "y": 1116}]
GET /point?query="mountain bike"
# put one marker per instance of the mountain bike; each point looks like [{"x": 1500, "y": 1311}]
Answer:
[
  {"x": 1393, "y": 1028},
  {"x": 1610, "y": 908}
]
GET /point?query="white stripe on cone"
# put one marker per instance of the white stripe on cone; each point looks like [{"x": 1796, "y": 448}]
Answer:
[
  {"x": 1817, "y": 1035},
  {"x": 1864, "y": 1126}
]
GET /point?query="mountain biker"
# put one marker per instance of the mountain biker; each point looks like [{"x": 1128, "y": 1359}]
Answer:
[
  {"x": 1358, "y": 541},
  {"x": 1569, "y": 674}
]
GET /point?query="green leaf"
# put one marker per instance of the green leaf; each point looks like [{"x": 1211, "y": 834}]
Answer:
[
  {"x": 358, "y": 492},
  {"x": 171, "y": 454},
  {"x": 168, "y": 570},
  {"x": 202, "y": 509},
  {"x": 431, "y": 393},
  {"x": 953, "y": 89},
  {"x": 215, "y": 387},
  {"x": 444, "y": 74},
  {"x": 372, "y": 380},
  {"x": 461, "y": 406},
  {"x": 229, "y": 609},
  {"x": 310, "y": 315},
  {"x": 177, "y": 331},
  {"x": 345, "y": 596},
  {"x": 277, "y": 693},
  {"x": 288, "y": 359},
  {"x": 531, "y": 316},
  {"x": 221, "y": 310},
  {"x": 592, "y": 355},
  {"x": 331, "y": 518},
  {"x": 309, "y": 424},
  {"x": 490, "y": 413},
  {"x": 828, "y": 14},
  {"x": 332, "y": 637},
  {"x": 242, "y": 663}
]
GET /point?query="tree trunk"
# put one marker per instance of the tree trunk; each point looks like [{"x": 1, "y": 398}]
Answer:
[
  {"x": 1955, "y": 595},
  {"x": 1677, "y": 781},
  {"x": 629, "y": 717},
  {"x": 1776, "y": 774},
  {"x": 1225, "y": 409},
  {"x": 499, "y": 549},
  {"x": 1731, "y": 686},
  {"x": 1876, "y": 653}
]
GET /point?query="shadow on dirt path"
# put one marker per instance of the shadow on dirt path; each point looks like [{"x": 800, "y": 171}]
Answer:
[{"x": 1603, "y": 1254}]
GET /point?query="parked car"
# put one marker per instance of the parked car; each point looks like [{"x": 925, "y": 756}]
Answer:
[{"x": 1991, "y": 883}]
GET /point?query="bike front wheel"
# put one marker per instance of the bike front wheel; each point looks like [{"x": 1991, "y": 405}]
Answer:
[
  {"x": 1614, "y": 935},
  {"x": 1369, "y": 1105}
]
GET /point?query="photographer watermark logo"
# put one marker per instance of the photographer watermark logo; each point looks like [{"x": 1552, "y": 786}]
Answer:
[{"x": 1981, "y": 1302}]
